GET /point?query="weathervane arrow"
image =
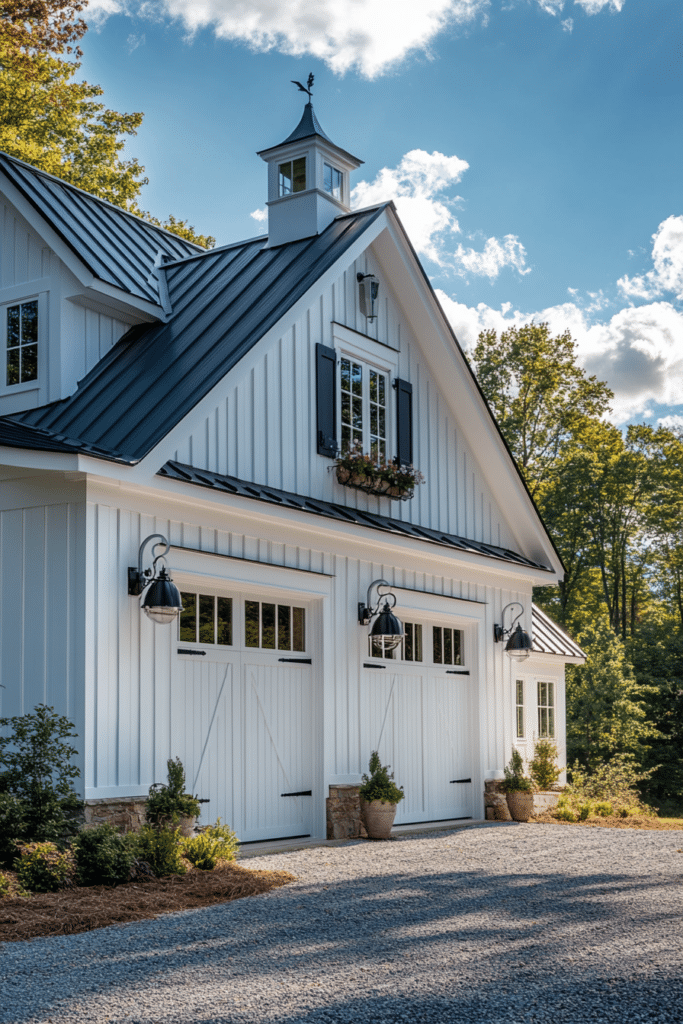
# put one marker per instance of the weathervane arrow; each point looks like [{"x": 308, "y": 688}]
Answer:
[{"x": 309, "y": 83}]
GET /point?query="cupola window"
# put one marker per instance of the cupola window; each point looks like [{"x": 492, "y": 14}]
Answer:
[
  {"x": 22, "y": 343},
  {"x": 292, "y": 176},
  {"x": 332, "y": 181}
]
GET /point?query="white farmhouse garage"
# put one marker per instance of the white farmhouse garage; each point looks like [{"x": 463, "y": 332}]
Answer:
[{"x": 152, "y": 388}]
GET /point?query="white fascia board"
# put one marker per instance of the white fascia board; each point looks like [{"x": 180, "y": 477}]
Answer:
[
  {"x": 467, "y": 404},
  {"x": 39, "y": 461},
  {"x": 537, "y": 658}
]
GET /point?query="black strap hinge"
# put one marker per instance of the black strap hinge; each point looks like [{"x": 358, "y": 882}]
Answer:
[
  {"x": 302, "y": 792},
  {"x": 459, "y": 780},
  {"x": 186, "y": 650}
]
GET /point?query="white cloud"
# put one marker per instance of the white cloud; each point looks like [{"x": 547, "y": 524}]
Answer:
[
  {"x": 671, "y": 422},
  {"x": 667, "y": 273},
  {"x": 133, "y": 41},
  {"x": 567, "y": 25},
  {"x": 551, "y": 6},
  {"x": 259, "y": 215},
  {"x": 496, "y": 255},
  {"x": 595, "y": 6},
  {"x": 415, "y": 186}
]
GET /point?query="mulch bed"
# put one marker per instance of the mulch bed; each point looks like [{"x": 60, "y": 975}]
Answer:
[
  {"x": 82, "y": 909},
  {"x": 637, "y": 821}
]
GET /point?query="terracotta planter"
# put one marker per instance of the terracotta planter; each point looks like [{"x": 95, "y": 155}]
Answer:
[
  {"x": 378, "y": 817},
  {"x": 521, "y": 805}
]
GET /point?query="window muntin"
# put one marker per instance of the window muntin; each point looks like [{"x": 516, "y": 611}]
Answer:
[
  {"x": 206, "y": 619},
  {"x": 363, "y": 409},
  {"x": 22, "y": 343},
  {"x": 332, "y": 181},
  {"x": 447, "y": 645},
  {"x": 292, "y": 176},
  {"x": 546, "y": 710},
  {"x": 519, "y": 707},
  {"x": 271, "y": 626}
]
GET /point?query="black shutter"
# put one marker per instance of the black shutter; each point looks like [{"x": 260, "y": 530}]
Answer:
[
  {"x": 404, "y": 422},
  {"x": 326, "y": 375}
]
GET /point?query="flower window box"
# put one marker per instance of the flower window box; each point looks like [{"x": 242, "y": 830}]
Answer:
[{"x": 380, "y": 478}]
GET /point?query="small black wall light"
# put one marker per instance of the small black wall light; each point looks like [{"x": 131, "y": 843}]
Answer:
[
  {"x": 387, "y": 630},
  {"x": 368, "y": 291},
  {"x": 160, "y": 597},
  {"x": 519, "y": 642}
]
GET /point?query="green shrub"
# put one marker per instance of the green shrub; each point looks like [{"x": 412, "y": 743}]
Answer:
[
  {"x": 202, "y": 851},
  {"x": 543, "y": 766},
  {"x": 585, "y": 810},
  {"x": 168, "y": 801},
  {"x": 565, "y": 813},
  {"x": 228, "y": 843},
  {"x": 42, "y": 867},
  {"x": 380, "y": 785},
  {"x": 161, "y": 848},
  {"x": 12, "y": 827},
  {"x": 103, "y": 856},
  {"x": 604, "y": 809},
  {"x": 36, "y": 768},
  {"x": 615, "y": 780},
  {"x": 4, "y": 885},
  {"x": 515, "y": 780}
]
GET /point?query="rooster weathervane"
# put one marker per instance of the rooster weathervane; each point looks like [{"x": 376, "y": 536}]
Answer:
[{"x": 309, "y": 90}]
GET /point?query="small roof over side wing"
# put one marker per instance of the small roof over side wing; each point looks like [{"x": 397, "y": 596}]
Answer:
[{"x": 549, "y": 638}]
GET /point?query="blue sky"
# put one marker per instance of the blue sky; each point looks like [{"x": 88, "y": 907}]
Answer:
[{"x": 534, "y": 148}]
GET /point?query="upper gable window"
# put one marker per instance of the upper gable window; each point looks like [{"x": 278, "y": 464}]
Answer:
[
  {"x": 332, "y": 181},
  {"x": 363, "y": 409},
  {"x": 292, "y": 176},
  {"x": 21, "y": 334}
]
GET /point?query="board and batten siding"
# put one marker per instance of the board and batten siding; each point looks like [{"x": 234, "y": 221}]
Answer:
[
  {"x": 130, "y": 715},
  {"x": 264, "y": 427}
]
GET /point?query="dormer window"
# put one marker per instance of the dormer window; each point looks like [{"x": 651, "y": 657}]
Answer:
[
  {"x": 332, "y": 181},
  {"x": 21, "y": 343},
  {"x": 292, "y": 176}
]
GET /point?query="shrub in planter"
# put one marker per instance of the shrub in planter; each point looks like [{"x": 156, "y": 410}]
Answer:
[
  {"x": 161, "y": 848},
  {"x": 36, "y": 768},
  {"x": 379, "y": 796},
  {"x": 518, "y": 787},
  {"x": 42, "y": 867},
  {"x": 168, "y": 802},
  {"x": 543, "y": 765},
  {"x": 103, "y": 856},
  {"x": 12, "y": 827}
]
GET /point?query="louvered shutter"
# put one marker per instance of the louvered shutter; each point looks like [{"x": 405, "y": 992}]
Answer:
[
  {"x": 326, "y": 375},
  {"x": 404, "y": 422}
]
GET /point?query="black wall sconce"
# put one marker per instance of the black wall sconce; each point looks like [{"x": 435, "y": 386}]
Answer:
[
  {"x": 519, "y": 643},
  {"x": 387, "y": 630},
  {"x": 368, "y": 291},
  {"x": 160, "y": 596}
]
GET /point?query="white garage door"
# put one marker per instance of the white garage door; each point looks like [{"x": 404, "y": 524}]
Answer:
[
  {"x": 416, "y": 710},
  {"x": 242, "y": 712}
]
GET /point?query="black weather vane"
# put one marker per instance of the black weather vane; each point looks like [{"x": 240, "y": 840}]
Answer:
[{"x": 303, "y": 88}]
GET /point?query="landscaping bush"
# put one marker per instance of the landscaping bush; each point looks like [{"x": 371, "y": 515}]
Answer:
[
  {"x": 615, "y": 781},
  {"x": 515, "y": 780},
  {"x": 214, "y": 843},
  {"x": 42, "y": 867},
  {"x": 585, "y": 810},
  {"x": 543, "y": 766},
  {"x": 103, "y": 856},
  {"x": 161, "y": 848},
  {"x": 167, "y": 802},
  {"x": 227, "y": 839},
  {"x": 12, "y": 827},
  {"x": 565, "y": 813},
  {"x": 36, "y": 769},
  {"x": 4, "y": 885},
  {"x": 604, "y": 809}
]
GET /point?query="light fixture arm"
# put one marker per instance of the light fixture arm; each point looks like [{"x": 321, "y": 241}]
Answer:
[
  {"x": 366, "y": 611},
  {"x": 139, "y": 579},
  {"x": 499, "y": 632}
]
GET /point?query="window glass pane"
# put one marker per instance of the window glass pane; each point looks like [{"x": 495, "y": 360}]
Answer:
[
  {"x": 285, "y": 178},
  {"x": 437, "y": 645},
  {"x": 345, "y": 375},
  {"x": 187, "y": 630},
  {"x": 408, "y": 642},
  {"x": 13, "y": 366},
  {"x": 520, "y": 723},
  {"x": 457, "y": 647},
  {"x": 418, "y": 642},
  {"x": 357, "y": 419},
  {"x": 300, "y": 174},
  {"x": 520, "y": 691},
  {"x": 12, "y": 326},
  {"x": 327, "y": 177},
  {"x": 298, "y": 629},
  {"x": 29, "y": 363},
  {"x": 268, "y": 626},
  {"x": 251, "y": 623},
  {"x": 224, "y": 623},
  {"x": 206, "y": 619},
  {"x": 284, "y": 633},
  {"x": 337, "y": 184},
  {"x": 357, "y": 379},
  {"x": 551, "y": 722},
  {"x": 29, "y": 323},
  {"x": 551, "y": 694},
  {"x": 448, "y": 646}
]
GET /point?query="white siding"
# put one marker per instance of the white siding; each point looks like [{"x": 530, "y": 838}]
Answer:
[
  {"x": 87, "y": 336},
  {"x": 263, "y": 429},
  {"x": 23, "y": 255}
]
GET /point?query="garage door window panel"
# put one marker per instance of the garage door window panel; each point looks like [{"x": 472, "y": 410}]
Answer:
[
  {"x": 274, "y": 626},
  {"x": 206, "y": 619}
]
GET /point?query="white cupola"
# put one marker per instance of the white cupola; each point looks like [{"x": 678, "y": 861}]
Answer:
[{"x": 308, "y": 180}]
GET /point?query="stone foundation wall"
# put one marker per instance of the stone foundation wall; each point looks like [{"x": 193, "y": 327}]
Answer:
[
  {"x": 343, "y": 813},
  {"x": 127, "y": 813}
]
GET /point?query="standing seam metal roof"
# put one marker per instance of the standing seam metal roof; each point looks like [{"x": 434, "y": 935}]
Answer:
[
  {"x": 549, "y": 638},
  {"x": 223, "y": 302},
  {"x": 117, "y": 247}
]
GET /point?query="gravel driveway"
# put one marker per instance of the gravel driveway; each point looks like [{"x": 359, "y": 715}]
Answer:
[{"x": 498, "y": 922}]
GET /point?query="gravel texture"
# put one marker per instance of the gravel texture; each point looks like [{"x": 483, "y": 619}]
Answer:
[{"x": 494, "y": 923}]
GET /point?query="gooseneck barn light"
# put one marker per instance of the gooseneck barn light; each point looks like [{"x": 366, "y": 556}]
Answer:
[
  {"x": 387, "y": 630},
  {"x": 160, "y": 596},
  {"x": 519, "y": 642}
]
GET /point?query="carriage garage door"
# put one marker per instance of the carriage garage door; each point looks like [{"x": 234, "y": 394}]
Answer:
[
  {"x": 417, "y": 711},
  {"x": 242, "y": 711}
]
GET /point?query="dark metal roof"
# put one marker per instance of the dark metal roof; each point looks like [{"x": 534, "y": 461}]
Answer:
[
  {"x": 223, "y": 302},
  {"x": 286, "y": 499},
  {"x": 306, "y": 128},
  {"x": 117, "y": 247},
  {"x": 549, "y": 638}
]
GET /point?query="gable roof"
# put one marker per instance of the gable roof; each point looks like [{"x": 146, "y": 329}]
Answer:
[
  {"x": 116, "y": 246},
  {"x": 316, "y": 506},
  {"x": 549, "y": 638},
  {"x": 223, "y": 302}
]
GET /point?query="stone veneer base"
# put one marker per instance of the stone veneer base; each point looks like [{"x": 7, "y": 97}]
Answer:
[{"x": 127, "y": 813}]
